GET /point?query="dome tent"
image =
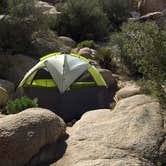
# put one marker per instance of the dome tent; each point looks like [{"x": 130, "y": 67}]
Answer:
[
  {"x": 55, "y": 81},
  {"x": 64, "y": 69}
]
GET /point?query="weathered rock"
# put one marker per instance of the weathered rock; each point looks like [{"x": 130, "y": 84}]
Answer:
[
  {"x": 127, "y": 92},
  {"x": 43, "y": 46},
  {"x": 67, "y": 41},
  {"x": 108, "y": 77},
  {"x": 53, "y": 1},
  {"x": 131, "y": 134},
  {"x": 17, "y": 67},
  {"x": 150, "y": 16},
  {"x": 124, "y": 83},
  {"x": 94, "y": 63},
  {"x": 86, "y": 52},
  {"x": 3, "y": 96},
  {"x": 9, "y": 86},
  {"x": 47, "y": 8},
  {"x": 23, "y": 134},
  {"x": 75, "y": 50},
  {"x": 148, "y": 6}
]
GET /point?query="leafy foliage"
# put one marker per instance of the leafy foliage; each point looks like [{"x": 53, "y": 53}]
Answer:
[
  {"x": 142, "y": 49},
  {"x": 18, "y": 26},
  {"x": 105, "y": 58},
  {"x": 117, "y": 11},
  {"x": 87, "y": 43},
  {"x": 19, "y": 105},
  {"x": 82, "y": 20},
  {"x": 3, "y": 6}
]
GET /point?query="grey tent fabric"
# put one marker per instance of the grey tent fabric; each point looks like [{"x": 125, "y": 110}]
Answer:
[{"x": 65, "y": 69}]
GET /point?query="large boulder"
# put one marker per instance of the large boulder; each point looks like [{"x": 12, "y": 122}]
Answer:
[
  {"x": 9, "y": 86},
  {"x": 67, "y": 41},
  {"x": 148, "y": 6},
  {"x": 3, "y": 97},
  {"x": 18, "y": 65},
  {"x": 131, "y": 134},
  {"x": 22, "y": 135},
  {"x": 43, "y": 45}
]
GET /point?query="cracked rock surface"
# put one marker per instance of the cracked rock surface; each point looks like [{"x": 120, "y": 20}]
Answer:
[{"x": 131, "y": 134}]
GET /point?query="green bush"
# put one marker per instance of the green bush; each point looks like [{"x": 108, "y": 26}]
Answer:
[
  {"x": 22, "y": 20},
  {"x": 3, "y": 6},
  {"x": 87, "y": 43},
  {"x": 117, "y": 11},
  {"x": 18, "y": 105},
  {"x": 142, "y": 49},
  {"x": 104, "y": 56},
  {"x": 82, "y": 20}
]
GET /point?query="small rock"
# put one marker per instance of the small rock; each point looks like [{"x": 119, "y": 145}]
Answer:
[
  {"x": 47, "y": 8},
  {"x": 86, "y": 52},
  {"x": 75, "y": 50},
  {"x": 127, "y": 92}
]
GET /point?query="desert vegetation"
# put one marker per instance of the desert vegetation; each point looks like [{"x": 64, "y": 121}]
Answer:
[{"x": 132, "y": 48}]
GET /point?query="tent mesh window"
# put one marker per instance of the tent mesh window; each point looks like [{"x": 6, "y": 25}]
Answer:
[
  {"x": 43, "y": 79},
  {"x": 42, "y": 74},
  {"x": 84, "y": 80}
]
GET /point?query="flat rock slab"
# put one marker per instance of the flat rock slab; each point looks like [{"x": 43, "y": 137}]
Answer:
[{"x": 131, "y": 134}]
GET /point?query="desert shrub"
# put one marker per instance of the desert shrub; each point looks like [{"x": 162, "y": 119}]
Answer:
[
  {"x": 87, "y": 43},
  {"x": 4, "y": 70},
  {"x": 117, "y": 11},
  {"x": 104, "y": 56},
  {"x": 3, "y": 6},
  {"x": 142, "y": 49},
  {"x": 82, "y": 20},
  {"x": 21, "y": 21},
  {"x": 18, "y": 105}
]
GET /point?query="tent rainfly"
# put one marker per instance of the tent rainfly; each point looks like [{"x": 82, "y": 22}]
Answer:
[{"x": 64, "y": 70}]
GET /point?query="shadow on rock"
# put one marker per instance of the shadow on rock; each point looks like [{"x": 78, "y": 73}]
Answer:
[{"x": 50, "y": 153}]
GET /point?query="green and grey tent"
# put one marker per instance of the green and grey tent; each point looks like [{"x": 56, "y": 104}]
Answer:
[
  {"x": 59, "y": 82},
  {"x": 65, "y": 69}
]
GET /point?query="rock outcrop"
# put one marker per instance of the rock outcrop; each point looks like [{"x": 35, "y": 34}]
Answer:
[
  {"x": 130, "y": 134},
  {"x": 67, "y": 41},
  {"x": 22, "y": 135},
  {"x": 148, "y": 6},
  {"x": 3, "y": 97},
  {"x": 127, "y": 91},
  {"x": 7, "y": 85},
  {"x": 18, "y": 65}
]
